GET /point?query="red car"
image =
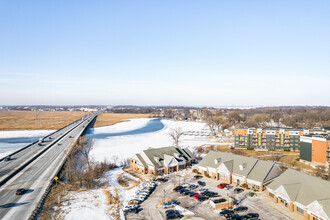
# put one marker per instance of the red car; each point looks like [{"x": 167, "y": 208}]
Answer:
[
  {"x": 222, "y": 185},
  {"x": 197, "y": 196}
]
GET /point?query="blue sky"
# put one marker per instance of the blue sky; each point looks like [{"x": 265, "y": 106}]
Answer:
[{"x": 212, "y": 53}]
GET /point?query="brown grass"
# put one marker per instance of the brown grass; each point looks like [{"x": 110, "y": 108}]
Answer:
[
  {"x": 48, "y": 210},
  {"x": 114, "y": 203},
  {"x": 106, "y": 119},
  {"x": 26, "y": 120}
]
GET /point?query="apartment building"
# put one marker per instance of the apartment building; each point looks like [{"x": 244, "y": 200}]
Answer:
[
  {"x": 163, "y": 160},
  {"x": 271, "y": 138},
  {"x": 315, "y": 149},
  {"x": 306, "y": 195},
  {"x": 239, "y": 170}
]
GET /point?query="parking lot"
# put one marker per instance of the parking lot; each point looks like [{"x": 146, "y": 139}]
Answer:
[{"x": 150, "y": 208}]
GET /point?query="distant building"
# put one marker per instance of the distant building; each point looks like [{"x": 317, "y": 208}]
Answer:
[
  {"x": 239, "y": 170},
  {"x": 301, "y": 193},
  {"x": 315, "y": 149},
  {"x": 163, "y": 160},
  {"x": 271, "y": 138}
]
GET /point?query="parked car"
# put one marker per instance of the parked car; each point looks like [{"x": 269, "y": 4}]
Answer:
[
  {"x": 198, "y": 177},
  {"x": 168, "y": 205},
  {"x": 130, "y": 210},
  {"x": 227, "y": 211},
  {"x": 210, "y": 194},
  {"x": 20, "y": 191},
  {"x": 201, "y": 183},
  {"x": 191, "y": 194},
  {"x": 163, "y": 180},
  {"x": 253, "y": 216},
  {"x": 192, "y": 187},
  {"x": 236, "y": 217},
  {"x": 222, "y": 185},
  {"x": 229, "y": 215},
  {"x": 177, "y": 188},
  {"x": 238, "y": 190},
  {"x": 202, "y": 198},
  {"x": 197, "y": 196},
  {"x": 241, "y": 209},
  {"x": 202, "y": 190},
  {"x": 228, "y": 187}
]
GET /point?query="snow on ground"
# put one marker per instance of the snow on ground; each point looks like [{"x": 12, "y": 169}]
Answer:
[
  {"x": 85, "y": 205},
  {"x": 125, "y": 195},
  {"x": 24, "y": 133},
  {"x": 10, "y": 141},
  {"x": 118, "y": 148}
]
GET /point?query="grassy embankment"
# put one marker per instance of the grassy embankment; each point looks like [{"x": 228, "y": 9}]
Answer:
[{"x": 49, "y": 120}]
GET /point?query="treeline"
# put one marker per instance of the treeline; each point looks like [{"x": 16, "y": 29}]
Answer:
[{"x": 303, "y": 117}]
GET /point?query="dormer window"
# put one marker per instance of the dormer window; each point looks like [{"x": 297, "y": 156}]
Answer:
[{"x": 242, "y": 166}]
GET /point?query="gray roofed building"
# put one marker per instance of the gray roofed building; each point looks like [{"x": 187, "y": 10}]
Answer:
[
  {"x": 162, "y": 160},
  {"x": 302, "y": 192},
  {"x": 238, "y": 169}
]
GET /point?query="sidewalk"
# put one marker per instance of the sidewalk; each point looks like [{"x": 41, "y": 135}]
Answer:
[{"x": 279, "y": 207}]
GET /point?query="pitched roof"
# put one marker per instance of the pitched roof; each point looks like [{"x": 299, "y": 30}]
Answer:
[
  {"x": 241, "y": 165},
  {"x": 165, "y": 155},
  {"x": 311, "y": 188},
  {"x": 260, "y": 170}
]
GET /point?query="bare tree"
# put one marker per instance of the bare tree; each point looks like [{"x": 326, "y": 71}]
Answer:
[{"x": 175, "y": 134}]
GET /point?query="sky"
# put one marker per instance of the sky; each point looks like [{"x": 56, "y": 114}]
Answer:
[{"x": 173, "y": 52}]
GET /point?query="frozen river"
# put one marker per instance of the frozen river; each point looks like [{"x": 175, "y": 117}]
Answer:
[{"x": 120, "y": 141}]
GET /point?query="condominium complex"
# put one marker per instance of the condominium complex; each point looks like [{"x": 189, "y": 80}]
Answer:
[
  {"x": 271, "y": 138},
  {"x": 315, "y": 149},
  {"x": 239, "y": 170}
]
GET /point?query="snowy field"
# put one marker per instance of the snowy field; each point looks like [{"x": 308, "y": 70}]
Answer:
[
  {"x": 11, "y": 141},
  {"x": 121, "y": 147}
]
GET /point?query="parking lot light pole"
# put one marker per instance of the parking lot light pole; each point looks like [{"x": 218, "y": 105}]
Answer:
[{"x": 164, "y": 196}]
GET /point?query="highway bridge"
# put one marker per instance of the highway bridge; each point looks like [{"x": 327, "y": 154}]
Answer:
[{"x": 33, "y": 168}]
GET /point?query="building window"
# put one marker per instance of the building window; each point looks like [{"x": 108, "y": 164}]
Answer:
[
  {"x": 271, "y": 195},
  {"x": 300, "y": 210}
]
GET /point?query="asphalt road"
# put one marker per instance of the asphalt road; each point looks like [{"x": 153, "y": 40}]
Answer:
[
  {"x": 36, "y": 177},
  {"x": 7, "y": 168}
]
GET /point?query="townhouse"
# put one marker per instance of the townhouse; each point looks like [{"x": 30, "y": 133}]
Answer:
[
  {"x": 301, "y": 193},
  {"x": 272, "y": 138},
  {"x": 315, "y": 149},
  {"x": 240, "y": 170},
  {"x": 163, "y": 160}
]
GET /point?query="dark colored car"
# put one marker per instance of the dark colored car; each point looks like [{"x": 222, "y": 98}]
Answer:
[
  {"x": 8, "y": 158},
  {"x": 162, "y": 180},
  {"x": 211, "y": 194},
  {"x": 236, "y": 217},
  {"x": 191, "y": 194},
  {"x": 201, "y": 183},
  {"x": 20, "y": 191},
  {"x": 130, "y": 210},
  {"x": 227, "y": 211},
  {"x": 238, "y": 190},
  {"x": 172, "y": 216},
  {"x": 241, "y": 209},
  {"x": 198, "y": 177},
  {"x": 252, "y": 216},
  {"x": 177, "y": 188},
  {"x": 202, "y": 198}
]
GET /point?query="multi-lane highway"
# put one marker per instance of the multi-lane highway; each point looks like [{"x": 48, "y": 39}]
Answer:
[{"x": 37, "y": 171}]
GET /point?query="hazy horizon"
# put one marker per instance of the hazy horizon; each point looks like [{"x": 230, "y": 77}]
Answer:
[{"x": 165, "y": 53}]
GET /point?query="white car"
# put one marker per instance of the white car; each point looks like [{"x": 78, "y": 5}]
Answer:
[{"x": 168, "y": 205}]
